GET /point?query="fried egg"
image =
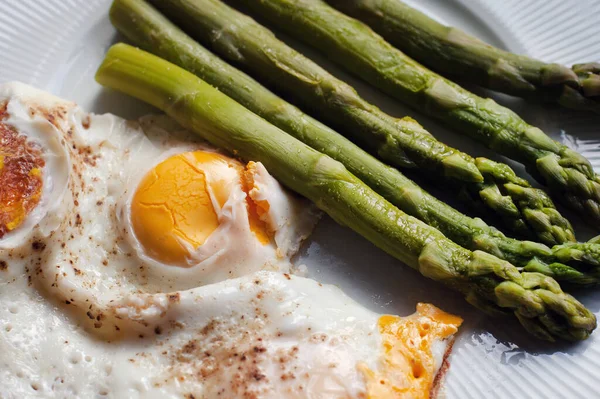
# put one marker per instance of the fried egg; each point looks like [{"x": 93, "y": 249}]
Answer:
[
  {"x": 138, "y": 261},
  {"x": 198, "y": 217},
  {"x": 33, "y": 169},
  {"x": 265, "y": 335}
]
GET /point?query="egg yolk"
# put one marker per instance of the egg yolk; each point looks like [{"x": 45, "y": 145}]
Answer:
[
  {"x": 256, "y": 209},
  {"x": 172, "y": 211},
  {"x": 21, "y": 182},
  {"x": 408, "y": 368}
]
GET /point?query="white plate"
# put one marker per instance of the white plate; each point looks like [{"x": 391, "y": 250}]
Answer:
[{"x": 58, "y": 44}]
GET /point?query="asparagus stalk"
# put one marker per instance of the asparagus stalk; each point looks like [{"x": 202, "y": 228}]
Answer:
[
  {"x": 451, "y": 51},
  {"x": 489, "y": 283},
  {"x": 403, "y": 143},
  {"x": 354, "y": 46},
  {"x": 149, "y": 29}
]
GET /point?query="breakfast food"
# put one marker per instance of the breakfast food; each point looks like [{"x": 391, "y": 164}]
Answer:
[
  {"x": 146, "y": 27},
  {"x": 208, "y": 213},
  {"x": 33, "y": 173},
  {"x": 137, "y": 260},
  {"x": 265, "y": 335},
  {"x": 159, "y": 268},
  {"x": 487, "y": 282}
]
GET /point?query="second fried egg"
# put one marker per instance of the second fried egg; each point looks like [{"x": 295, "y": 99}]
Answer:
[{"x": 199, "y": 216}]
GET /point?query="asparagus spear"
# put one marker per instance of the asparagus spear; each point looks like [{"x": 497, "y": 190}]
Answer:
[
  {"x": 527, "y": 211},
  {"x": 150, "y": 30},
  {"x": 451, "y": 51},
  {"x": 354, "y": 46},
  {"x": 489, "y": 283}
]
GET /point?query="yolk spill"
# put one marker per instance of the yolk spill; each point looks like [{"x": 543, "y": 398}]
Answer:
[
  {"x": 172, "y": 212},
  {"x": 21, "y": 180},
  {"x": 408, "y": 368}
]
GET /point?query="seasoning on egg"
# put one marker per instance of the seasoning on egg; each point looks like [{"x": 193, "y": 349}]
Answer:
[{"x": 21, "y": 165}]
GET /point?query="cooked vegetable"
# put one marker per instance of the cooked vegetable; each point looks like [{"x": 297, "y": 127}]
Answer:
[
  {"x": 400, "y": 142},
  {"x": 489, "y": 283},
  {"x": 451, "y": 51},
  {"x": 354, "y": 46},
  {"x": 147, "y": 28}
]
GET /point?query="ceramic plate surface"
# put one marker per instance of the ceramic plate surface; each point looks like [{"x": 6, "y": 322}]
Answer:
[{"x": 57, "y": 45}]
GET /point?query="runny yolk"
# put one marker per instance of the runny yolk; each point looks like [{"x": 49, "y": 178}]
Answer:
[
  {"x": 172, "y": 211},
  {"x": 21, "y": 182},
  {"x": 407, "y": 369}
]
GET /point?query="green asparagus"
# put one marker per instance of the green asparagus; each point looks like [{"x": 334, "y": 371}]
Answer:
[
  {"x": 354, "y": 46},
  {"x": 527, "y": 211},
  {"x": 487, "y": 282},
  {"x": 451, "y": 51},
  {"x": 147, "y": 28}
]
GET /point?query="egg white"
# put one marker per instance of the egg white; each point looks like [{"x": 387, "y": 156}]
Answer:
[
  {"x": 290, "y": 327},
  {"x": 85, "y": 315},
  {"x": 55, "y": 173}
]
